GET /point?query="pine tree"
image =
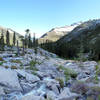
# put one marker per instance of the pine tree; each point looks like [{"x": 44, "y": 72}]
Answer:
[
  {"x": 17, "y": 48},
  {"x": 14, "y": 38},
  {"x": 33, "y": 44},
  {"x": 36, "y": 46},
  {"x": 26, "y": 37},
  {"x": 2, "y": 41},
  {"x": 7, "y": 38},
  {"x": 23, "y": 43},
  {"x": 29, "y": 41}
]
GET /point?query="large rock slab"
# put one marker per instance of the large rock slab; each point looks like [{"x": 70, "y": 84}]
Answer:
[
  {"x": 1, "y": 91},
  {"x": 52, "y": 84},
  {"x": 29, "y": 77},
  {"x": 31, "y": 97},
  {"x": 51, "y": 94},
  {"x": 8, "y": 78},
  {"x": 67, "y": 95}
]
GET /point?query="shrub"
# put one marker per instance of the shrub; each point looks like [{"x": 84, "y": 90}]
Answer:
[
  {"x": 69, "y": 73},
  {"x": 32, "y": 65},
  {"x": 1, "y": 63},
  {"x": 13, "y": 67},
  {"x": 34, "y": 73},
  {"x": 98, "y": 97},
  {"x": 61, "y": 82},
  {"x": 96, "y": 67},
  {"x": 61, "y": 67},
  {"x": 6, "y": 67},
  {"x": 1, "y": 59},
  {"x": 96, "y": 80},
  {"x": 16, "y": 61}
]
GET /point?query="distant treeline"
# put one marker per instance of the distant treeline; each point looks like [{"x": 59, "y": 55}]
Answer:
[{"x": 27, "y": 41}]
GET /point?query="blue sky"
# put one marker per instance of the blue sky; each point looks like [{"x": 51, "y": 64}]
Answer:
[{"x": 42, "y": 15}]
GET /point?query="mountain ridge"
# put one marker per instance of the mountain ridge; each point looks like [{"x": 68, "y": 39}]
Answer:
[
  {"x": 56, "y": 33},
  {"x": 11, "y": 31}
]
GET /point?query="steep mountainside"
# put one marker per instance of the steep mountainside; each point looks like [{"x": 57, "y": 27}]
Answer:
[
  {"x": 85, "y": 36},
  {"x": 57, "y": 33},
  {"x": 4, "y": 30}
]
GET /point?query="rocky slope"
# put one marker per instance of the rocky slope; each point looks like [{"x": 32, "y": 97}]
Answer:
[
  {"x": 4, "y": 30},
  {"x": 44, "y": 76},
  {"x": 85, "y": 36},
  {"x": 56, "y": 33}
]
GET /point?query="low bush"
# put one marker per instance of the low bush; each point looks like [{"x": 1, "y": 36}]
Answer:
[
  {"x": 32, "y": 65},
  {"x": 13, "y": 67},
  {"x": 61, "y": 82},
  {"x": 69, "y": 73},
  {"x": 1, "y": 59},
  {"x": 16, "y": 61},
  {"x": 1, "y": 63}
]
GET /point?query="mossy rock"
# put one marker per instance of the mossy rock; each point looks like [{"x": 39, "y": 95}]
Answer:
[
  {"x": 16, "y": 61},
  {"x": 6, "y": 66},
  {"x": 13, "y": 67},
  {"x": 1, "y": 59}
]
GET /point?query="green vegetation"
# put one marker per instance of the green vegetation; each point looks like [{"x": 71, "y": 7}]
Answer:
[
  {"x": 6, "y": 66},
  {"x": 7, "y": 38},
  {"x": 61, "y": 67},
  {"x": 34, "y": 73},
  {"x": 14, "y": 38},
  {"x": 98, "y": 97},
  {"x": 1, "y": 59},
  {"x": 13, "y": 67},
  {"x": 2, "y": 44},
  {"x": 1, "y": 63},
  {"x": 61, "y": 82},
  {"x": 96, "y": 80},
  {"x": 16, "y": 61},
  {"x": 96, "y": 67},
  {"x": 32, "y": 65},
  {"x": 69, "y": 73}
]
